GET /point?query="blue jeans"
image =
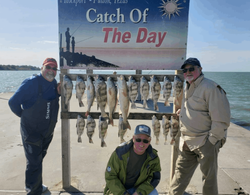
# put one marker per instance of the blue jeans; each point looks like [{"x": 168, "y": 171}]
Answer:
[{"x": 132, "y": 190}]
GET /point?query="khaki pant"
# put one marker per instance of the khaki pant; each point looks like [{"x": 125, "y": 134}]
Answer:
[{"x": 188, "y": 161}]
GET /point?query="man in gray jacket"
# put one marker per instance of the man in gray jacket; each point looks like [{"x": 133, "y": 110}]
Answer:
[{"x": 204, "y": 119}]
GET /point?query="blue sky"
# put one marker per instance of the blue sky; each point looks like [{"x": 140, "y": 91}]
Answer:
[{"x": 218, "y": 33}]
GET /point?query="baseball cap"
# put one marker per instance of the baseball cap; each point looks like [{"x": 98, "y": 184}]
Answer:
[
  {"x": 49, "y": 61},
  {"x": 191, "y": 61},
  {"x": 142, "y": 129}
]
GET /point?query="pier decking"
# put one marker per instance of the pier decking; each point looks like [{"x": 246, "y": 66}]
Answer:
[{"x": 88, "y": 161}]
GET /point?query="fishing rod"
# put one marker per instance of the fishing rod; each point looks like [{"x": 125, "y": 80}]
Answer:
[
  {"x": 76, "y": 29},
  {"x": 84, "y": 40}
]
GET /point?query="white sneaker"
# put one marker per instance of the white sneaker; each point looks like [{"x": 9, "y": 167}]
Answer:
[
  {"x": 27, "y": 189},
  {"x": 45, "y": 188}
]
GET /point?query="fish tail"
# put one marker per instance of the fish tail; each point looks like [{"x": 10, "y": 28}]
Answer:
[
  {"x": 81, "y": 104},
  {"x": 157, "y": 141},
  {"x": 111, "y": 121},
  {"x": 122, "y": 140},
  {"x": 79, "y": 140},
  {"x": 156, "y": 106},
  {"x": 126, "y": 125},
  {"x": 103, "y": 144},
  {"x": 104, "y": 115},
  {"x": 91, "y": 141},
  {"x": 133, "y": 106},
  {"x": 144, "y": 103},
  {"x": 165, "y": 143},
  {"x": 172, "y": 141}
]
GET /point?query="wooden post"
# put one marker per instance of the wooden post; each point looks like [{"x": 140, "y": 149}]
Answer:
[
  {"x": 139, "y": 92},
  {"x": 175, "y": 146},
  {"x": 65, "y": 126}
]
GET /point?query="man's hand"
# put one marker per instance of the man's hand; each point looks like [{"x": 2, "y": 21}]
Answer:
[
  {"x": 178, "y": 112},
  {"x": 59, "y": 88}
]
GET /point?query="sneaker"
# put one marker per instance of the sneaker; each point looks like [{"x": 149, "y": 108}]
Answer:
[
  {"x": 45, "y": 188},
  {"x": 27, "y": 189}
]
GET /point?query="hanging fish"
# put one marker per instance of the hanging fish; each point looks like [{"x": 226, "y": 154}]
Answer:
[
  {"x": 123, "y": 101},
  {"x": 165, "y": 127},
  {"x": 174, "y": 128},
  {"x": 156, "y": 126},
  {"x": 167, "y": 87},
  {"x": 155, "y": 90},
  {"x": 132, "y": 91},
  {"x": 103, "y": 126},
  {"x": 91, "y": 124},
  {"x": 101, "y": 95},
  {"x": 111, "y": 98},
  {"x": 80, "y": 127},
  {"x": 121, "y": 130},
  {"x": 90, "y": 94},
  {"x": 67, "y": 90},
  {"x": 178, "y": 87},
  {"x": 144, "y": 90},
  {"x": 80, "y": 88}
]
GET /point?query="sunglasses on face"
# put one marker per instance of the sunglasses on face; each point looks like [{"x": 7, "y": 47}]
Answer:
[
  {"x": 49, "y": 67},
  {"x": 188, "y": 69},
  {"x": 145, "y": 141}
]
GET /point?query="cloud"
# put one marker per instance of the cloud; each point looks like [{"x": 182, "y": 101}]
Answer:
[
  {"x": 215, "y": 59},
  {"x": 49, "y": 42},
  {"x": 16, "y": 48}
]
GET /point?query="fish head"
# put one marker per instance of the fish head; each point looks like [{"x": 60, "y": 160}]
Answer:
[{"x": 121, "y": 81}]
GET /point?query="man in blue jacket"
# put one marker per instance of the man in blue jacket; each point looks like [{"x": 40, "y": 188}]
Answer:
[{"x": 36, "y": 103}]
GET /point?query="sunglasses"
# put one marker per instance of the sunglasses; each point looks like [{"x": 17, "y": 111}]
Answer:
[
  {"x": 145, "y": 141},
  {"x": 188, "y": 69},
  {"x": 49, "y": 67}
]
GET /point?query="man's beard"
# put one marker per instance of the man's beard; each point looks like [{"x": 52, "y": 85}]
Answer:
[
  {"x": 189, "y": 79},
  {"x": 49, "y": 76}
]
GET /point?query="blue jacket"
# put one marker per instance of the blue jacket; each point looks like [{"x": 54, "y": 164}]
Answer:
[{"x": 27, "y": 94}]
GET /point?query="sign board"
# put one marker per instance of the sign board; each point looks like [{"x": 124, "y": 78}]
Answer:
[{"x": 123, "y": 34}]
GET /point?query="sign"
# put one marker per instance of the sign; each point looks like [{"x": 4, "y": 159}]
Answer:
[{"x": 123, "y": 34}]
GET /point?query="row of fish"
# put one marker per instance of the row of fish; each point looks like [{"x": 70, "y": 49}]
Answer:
[
  {"x": 167, "y": 125},
  {"x": 90, "y": 126},
  {"x": 102, "y": 127},
  {"x": 124, "y": 92}
]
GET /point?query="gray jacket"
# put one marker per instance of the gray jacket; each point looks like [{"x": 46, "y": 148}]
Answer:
[{"x": 205, "y": 113}]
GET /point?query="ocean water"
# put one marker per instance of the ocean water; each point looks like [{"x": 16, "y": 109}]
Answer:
[{"x": 236, "y": 85}]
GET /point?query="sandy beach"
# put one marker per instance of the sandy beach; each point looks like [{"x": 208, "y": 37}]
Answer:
[{"x": 88, "y": 161}]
